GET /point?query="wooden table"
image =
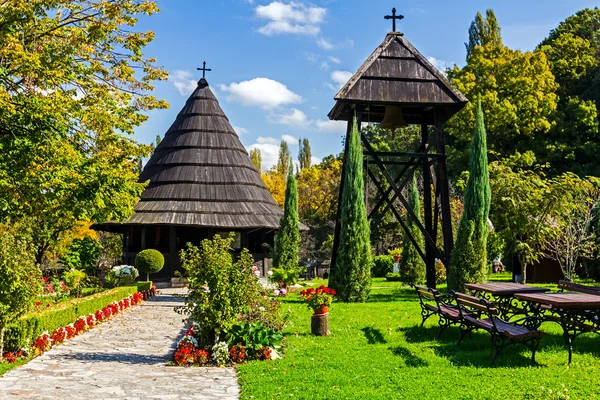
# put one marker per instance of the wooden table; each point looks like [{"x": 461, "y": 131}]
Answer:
[
  {"x": 503, "y": 294},
  {"x": 576, "y": 312}
]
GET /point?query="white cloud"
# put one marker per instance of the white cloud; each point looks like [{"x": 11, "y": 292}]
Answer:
[
  {"x": 325, "y": 44},
  {"x": 331, "y": 126},
  {"x": 312, "y": 57},
  {"x": 340, "y": 77},
  {"x": 440, "y": 64},
  {"x": 269, "y": 153},
  {"x": 293, "y": 117},
  {"x": 239, "y": 130},
  {"x": 293, "y": 18},
  {"x": 324, "y": 65},
  {"x": 266, "y": 140},
  {"x": 315, "y": 160},
  {"x": 335, "y": 60},
  {"x": 183, "y": 81},
  {"x": 262, "y": 92},
  {"x": 289, "y": 139}
]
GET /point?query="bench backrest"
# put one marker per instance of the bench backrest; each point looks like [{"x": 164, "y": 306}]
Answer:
[
  {"x": 427, "y": 294},
  {"x": 469, "y": 305},
  {"x": 576, "y": 287}
]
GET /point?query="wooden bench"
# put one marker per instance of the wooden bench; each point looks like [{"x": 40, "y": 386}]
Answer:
[
  {"x": 432, "y": 303},
  {"x": 478, "y": 313},
  {"x": 576, "y": 287}
]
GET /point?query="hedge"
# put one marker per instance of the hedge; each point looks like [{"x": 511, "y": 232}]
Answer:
[
  {"x": 382, "y": 265},
  {"x": 144, "y": 285},
  {"x": 26, "y": 329}
]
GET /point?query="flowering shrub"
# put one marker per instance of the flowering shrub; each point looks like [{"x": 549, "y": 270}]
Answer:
[
  {"x": 318, "y": 297},
  {"x": 121, "y": 275},
  {"x": 264, "y": 353},
  {"x": 42, "y": 343},
  {"x": 238, "y": 354},
  {"x": 220, "y": 354}
]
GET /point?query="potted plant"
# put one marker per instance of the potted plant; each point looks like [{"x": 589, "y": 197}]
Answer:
[
  {"x": 396, "y": 253},
  {"x": 179, "y": 280},
  {"x": 318, "y": 299}
]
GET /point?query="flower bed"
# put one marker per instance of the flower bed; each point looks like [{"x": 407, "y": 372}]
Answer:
[
  {"x": 46, "y": 340},
  {"x": 21, "y": 333}
]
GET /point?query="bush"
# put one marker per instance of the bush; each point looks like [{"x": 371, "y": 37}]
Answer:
[
  {"x": 393, "y": 277},
  {"x": 121, "y": 275},
  {"x": 149, "y": 261},
  {"x": 143, "y": 286},
  {"x": 20, "y": 277},
  {"x": 382, "y": 265},
  {"x": 73, "y": 279},
  {"x": 254, "y": 337},
  {"x": 440, "y": 272},
  {"x": 220, "y": 290},
  {"x": 23, "y": 331},
  {"x": 83, "y": 254}
]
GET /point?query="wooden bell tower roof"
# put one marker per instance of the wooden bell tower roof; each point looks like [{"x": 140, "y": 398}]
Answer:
[{"x": 397, "y": 74}]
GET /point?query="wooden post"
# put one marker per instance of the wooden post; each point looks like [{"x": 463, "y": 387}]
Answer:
[
  {"x": 319, "y": 324},
  {"x": 442, "y": 179},
  {"x": 338, "y": 218},
  {"x": 429, "y": 251},
  {"x": 173, "y": 258}
]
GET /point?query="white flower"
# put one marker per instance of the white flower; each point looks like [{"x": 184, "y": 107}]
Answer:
[
  {"x": 270, "y": 273},
  {"x": 261, "y": 308},
  {"x": 276, "y": 292}
]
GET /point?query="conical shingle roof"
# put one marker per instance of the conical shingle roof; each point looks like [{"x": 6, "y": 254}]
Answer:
[{"x": 201, "y": 175}]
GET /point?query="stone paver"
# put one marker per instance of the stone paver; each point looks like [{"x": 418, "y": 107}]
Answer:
[{"x": 124, "y": 358}]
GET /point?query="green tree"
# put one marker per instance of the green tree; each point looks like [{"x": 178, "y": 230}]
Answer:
[
  {"x": 256, "y": 157},
  {"x": 469, "y": 257},
  {"x": 484, "y": 31},
  {"x": 149, "y": 261},
  {"x": 20, "y": 277},
  {"x": 73, "y": 85},
  {"x": 287, "y": 241},
  {"x": 284, "y": 159},
  {"x": 304, "y": 155},
  {"x": 412, "y": 266},
  {"x": 351, "y": 276}
]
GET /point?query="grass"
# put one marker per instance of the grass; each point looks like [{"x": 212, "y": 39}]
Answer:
[
  {"x": 378, "y": 351},
  {"x": 5, "y": 367}
]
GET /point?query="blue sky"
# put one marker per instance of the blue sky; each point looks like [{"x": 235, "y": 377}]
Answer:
[{"x": 299, "y": 53}]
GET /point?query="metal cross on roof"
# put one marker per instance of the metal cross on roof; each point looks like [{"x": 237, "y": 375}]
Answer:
[
  {"x": 204, "y": 69},
  {"x": 394, "y": 17}
]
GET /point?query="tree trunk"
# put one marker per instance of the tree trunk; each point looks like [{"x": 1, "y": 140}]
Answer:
[
  {"x": 523, "y": 270},
  {"x": 1, "y": 342},
  {"x": 319, "y": 325},
  {"x": 148, "y": 276}
]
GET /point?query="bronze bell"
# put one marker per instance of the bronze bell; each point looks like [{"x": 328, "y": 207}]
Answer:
[{"x": 393, "y": 118}]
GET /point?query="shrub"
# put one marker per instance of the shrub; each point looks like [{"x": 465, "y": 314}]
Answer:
[
  {"x": 73, "y": 279},
  {"x": 149, "y": 261},
  {"x": 83, "y": 254},
  {"x": 121, "y": 275},
  {"x": 25, "y": 329},
  {"x": 393, "y": 277},
  {"x": 20, "y": 278},
  {"x": 382, "y": 265},
  {"x": 142, "y": 286},
  {"x": 254, "y": 337},
  {"x": 440, "y": 272},
  {"x": 220, "y": 290}
]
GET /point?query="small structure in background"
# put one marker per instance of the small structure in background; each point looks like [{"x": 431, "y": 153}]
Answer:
[{"x": 201, "y": 182}]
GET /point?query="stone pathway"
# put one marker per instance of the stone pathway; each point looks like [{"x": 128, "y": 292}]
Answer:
[{"x": 124, "y": 358}]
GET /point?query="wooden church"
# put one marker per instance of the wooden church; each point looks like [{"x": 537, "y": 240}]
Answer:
[{"x": 201, "y": 182}]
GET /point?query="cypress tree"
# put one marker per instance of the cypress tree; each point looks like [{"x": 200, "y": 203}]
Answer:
[
  {"x": 288, "y": 237},
  {"x": 469, "y": 258},
  {"x": 412, "y": 266},
  {"x": 352, "y": 274}
]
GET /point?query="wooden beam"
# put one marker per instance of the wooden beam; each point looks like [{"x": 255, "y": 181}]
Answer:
[
  {"x": 440, "y": 144},
  {"x": 409, "y": 211},
  {"x": 398, "y": 217},
  {"x": 429, "y": 250}
]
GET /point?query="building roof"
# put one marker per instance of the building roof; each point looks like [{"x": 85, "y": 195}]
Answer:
[
  {"x": 201, "y": 175},
  {"x": 396, "y": 74}
]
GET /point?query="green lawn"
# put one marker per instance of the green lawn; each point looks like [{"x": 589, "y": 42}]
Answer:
[
  {"x": 378, "y": 351},
  {"x": 4, "y": 367}
]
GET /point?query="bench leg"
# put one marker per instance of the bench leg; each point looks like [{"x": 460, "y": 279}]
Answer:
[
  {"x": 444, "y": 323},
  {"x": 464, "y": 329},
  {"x": 499, "y": 343},
  {"x": 425, "y": 315}
]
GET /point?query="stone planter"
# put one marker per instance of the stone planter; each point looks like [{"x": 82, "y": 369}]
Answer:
[{"x": 179, "y": 282}]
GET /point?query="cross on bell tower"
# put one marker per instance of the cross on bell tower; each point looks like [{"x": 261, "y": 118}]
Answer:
[
  {"x": 394, "y": 17},
  {"x": 204, "y": 69}
]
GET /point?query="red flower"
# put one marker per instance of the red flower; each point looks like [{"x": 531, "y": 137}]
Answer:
[
  {"x": 38, "y": 303},
  {"x": 45, "y": 279},
  {"x": 10, "y": 357}
]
